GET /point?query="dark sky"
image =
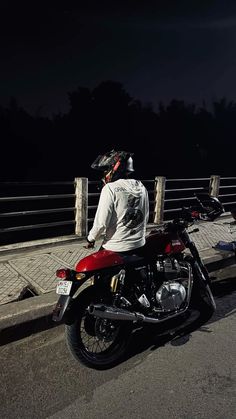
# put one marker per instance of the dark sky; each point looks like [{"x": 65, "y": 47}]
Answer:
[{"x": 158, "y": 50}]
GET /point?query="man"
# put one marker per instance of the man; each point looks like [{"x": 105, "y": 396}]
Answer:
[{"x": 123, "y": 209}]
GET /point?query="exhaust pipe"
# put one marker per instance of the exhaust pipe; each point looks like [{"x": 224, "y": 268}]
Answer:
[{"x": 114, "y": 313}]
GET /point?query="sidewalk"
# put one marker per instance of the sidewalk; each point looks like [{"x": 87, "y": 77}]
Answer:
[{"x": 30, "y": 272}]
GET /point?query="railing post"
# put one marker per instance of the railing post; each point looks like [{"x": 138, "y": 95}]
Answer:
[
  {"x": 81, "y": 206},
  {"x": 214, "y": 186},
  {"x": 159, "y": 196}
]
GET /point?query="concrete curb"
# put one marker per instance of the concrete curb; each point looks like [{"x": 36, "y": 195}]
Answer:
[
  {"x": 215, "y": 260},
  {"x": 39, "y": 244},
  {"x": 23, "y": 318}
]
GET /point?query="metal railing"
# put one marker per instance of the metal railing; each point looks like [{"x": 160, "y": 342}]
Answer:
[
  {"x": 185, "y": 195},
  {"x": 33, "y": 210},
  {"x": 51, "y": 209},
  {"x": 226, "y": 184}
]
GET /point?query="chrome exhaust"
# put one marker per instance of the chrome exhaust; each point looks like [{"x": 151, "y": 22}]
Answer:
[{"x": 114, "y": 313}]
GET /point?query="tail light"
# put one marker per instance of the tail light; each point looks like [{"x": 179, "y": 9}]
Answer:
[{"x": 63, "y": 273}]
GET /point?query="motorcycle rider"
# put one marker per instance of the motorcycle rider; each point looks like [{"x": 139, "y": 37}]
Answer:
[{"x": 123, "y": 209}]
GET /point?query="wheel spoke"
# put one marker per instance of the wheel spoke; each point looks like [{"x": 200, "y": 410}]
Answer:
[{"x": 94, "y": 344}]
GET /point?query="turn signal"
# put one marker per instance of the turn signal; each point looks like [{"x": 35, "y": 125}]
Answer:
[
  {"x": 63, "y": 273},
  {"x": 80, "y": 276}
]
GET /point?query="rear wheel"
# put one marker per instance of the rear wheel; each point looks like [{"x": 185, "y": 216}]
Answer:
[{"x": 95, "y": 342}]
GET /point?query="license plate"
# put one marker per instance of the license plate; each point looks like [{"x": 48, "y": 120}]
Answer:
[{"x": 64, "y": 287}]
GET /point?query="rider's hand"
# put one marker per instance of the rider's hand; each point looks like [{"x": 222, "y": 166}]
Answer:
[{"x": 90, "y": 244}]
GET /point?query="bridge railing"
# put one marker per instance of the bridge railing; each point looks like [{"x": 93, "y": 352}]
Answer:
[
  {"x": 36, "y": 210},
  {"x": 39, "y": 210}
]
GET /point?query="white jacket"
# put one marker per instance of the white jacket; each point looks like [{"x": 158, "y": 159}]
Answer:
[{"x": 122, "y": 215}]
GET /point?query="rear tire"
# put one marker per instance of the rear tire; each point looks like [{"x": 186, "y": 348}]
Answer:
[{"x": 95, "y": 342}]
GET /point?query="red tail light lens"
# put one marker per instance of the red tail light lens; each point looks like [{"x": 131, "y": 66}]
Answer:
[{"x": 63, "y": 273}]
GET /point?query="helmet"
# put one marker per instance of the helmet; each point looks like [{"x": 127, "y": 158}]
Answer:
[
  {"x": 114, "y": 164},
  {"x": 211, "y": 207}
]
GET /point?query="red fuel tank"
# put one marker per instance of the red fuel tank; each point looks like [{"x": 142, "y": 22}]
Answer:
[{"x": 163, "y": 243}]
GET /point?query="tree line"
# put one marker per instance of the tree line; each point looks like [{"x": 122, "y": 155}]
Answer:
[{"x": 177, "y": 140}]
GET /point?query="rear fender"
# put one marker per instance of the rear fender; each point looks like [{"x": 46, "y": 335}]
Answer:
[
  {"x": 88, "y": 283},
  {"x": 89, "y": 286},
  {"x": 66, "y": 302},
  {"x": 60, "y": 307}
]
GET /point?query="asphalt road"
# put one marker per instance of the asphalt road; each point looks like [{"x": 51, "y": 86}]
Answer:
[{"x": 188, "y": 377}]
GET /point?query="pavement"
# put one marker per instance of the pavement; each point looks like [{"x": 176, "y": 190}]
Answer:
[{"x": 28, "y": 280}]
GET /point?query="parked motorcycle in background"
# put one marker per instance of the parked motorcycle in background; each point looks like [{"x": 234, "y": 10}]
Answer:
[{"x": 108, "y": 295}]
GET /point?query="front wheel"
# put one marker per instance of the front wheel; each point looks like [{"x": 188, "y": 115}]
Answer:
[
  {"x": 202, "y": 294},
  {"x": 95, "y": 342}
]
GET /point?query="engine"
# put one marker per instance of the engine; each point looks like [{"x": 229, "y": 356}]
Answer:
[
  {"x": 171, "y": 283},
  {"x": 171, "y": 295},
  {"x": 163, "y": 286}
]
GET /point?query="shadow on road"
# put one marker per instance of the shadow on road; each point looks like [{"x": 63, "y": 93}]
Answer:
[{"x": 178, "y": 332}]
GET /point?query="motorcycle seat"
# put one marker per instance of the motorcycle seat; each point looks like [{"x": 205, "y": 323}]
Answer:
[{"x": 133, "y": 259}]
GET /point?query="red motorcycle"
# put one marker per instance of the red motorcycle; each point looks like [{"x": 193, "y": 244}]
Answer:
[{"x": 109, "y": 294}]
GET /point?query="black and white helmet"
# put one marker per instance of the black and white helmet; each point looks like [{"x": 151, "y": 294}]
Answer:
[
  {"x": 114, "y": 164},
  {"x": 210, "y": 206}
]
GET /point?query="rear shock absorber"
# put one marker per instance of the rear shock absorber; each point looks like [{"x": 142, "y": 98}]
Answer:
[{"x": 117, "y": 285}]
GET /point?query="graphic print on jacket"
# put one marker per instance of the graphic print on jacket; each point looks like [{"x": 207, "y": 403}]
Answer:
[
  {"x": 122, "y": 215},
  {"x": 133, "y": 216}
]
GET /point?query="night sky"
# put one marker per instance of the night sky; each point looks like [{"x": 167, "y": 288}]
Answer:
[{"x": 158, "y": 50}]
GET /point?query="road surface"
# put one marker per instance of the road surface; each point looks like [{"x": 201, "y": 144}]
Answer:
[{"x": 187, "y": 377}]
